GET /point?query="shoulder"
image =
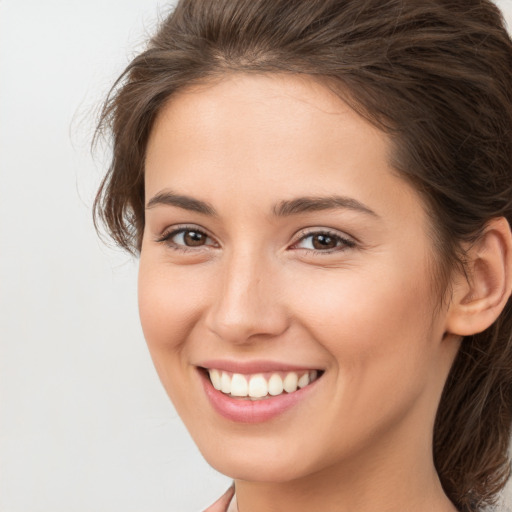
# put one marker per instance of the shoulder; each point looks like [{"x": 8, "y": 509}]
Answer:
[{"x": 222, "y": 504}]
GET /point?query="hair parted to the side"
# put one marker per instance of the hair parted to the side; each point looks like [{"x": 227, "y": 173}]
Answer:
[{"x": 436, "y": 76}]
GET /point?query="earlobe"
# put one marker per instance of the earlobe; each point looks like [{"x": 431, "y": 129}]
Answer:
[{"x": 479, "y": 298}]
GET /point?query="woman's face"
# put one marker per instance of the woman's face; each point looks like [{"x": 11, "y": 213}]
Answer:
[{"x": 280, "y": 247}]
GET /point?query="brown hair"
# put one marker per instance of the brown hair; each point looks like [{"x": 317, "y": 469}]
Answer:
[{"x": 436, "y": 75}]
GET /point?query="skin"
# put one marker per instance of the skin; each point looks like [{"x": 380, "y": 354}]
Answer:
[{"x": 365, "y": 312}]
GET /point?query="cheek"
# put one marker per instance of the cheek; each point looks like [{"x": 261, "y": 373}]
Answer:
[
  {"x": 365, "y": 306},
  {"x": 170, "y": 304},
  {"x": 378, "y": 333},
  {"x": 376, "y": 326}
]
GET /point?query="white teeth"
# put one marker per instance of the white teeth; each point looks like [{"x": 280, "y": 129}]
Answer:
[
  {"x": 225, "y": 383},
  {"x": 256, "y": 386},
  {"x": 303, "y": 381},
  {"x": 290, "y": 382},
  {"x": 238, "y": 385},
  {"x": 275, "y": 385},
  {"x": 215, "y": 378}
]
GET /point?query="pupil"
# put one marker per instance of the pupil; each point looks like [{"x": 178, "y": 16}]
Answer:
[
  {"x": 193, "y": 238},
  {"x": 324, "y": 242}
]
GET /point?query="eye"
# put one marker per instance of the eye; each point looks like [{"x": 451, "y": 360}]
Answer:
[
  {"x": 190, "y": 238},
  {"x": 186, "y": 238},
  {"x": 323, "y": 241}
]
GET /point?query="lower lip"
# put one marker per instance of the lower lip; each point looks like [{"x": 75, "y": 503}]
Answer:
[{"x": 252, "y": 411}]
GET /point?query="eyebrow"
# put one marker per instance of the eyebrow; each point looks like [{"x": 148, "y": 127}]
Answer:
[
  {"x": 315, "y": 204},
  {"x": 169, "y": 198},
  {"x": 282, "y": 209}
]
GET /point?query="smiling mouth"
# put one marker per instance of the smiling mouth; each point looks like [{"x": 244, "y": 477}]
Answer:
[{"x": 260, "y": 386}]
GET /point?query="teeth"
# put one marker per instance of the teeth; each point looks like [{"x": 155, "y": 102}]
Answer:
[
  {"x": 275, "y": 385},
  {"x": 303, "y": 381},
  {"x": 257, "y": 386},
  {"x": 215, "y": 378},
  {"x": 238, "y": 385},
  {"x": 225, "y": 383},
  {"x": 290, "y": 382}
]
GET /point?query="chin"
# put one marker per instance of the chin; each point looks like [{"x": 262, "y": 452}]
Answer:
[
  {"x": 267, "y": 464},
  {"x": 269, "y": 471}
]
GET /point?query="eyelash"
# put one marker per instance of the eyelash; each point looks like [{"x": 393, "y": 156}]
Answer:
[
  {"x": 167, "y": 236},
  {"x": 342, "y": 242}
]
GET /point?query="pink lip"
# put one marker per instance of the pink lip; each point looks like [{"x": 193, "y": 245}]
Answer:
[
  {"x": 249, "y": 411},
  {"x": 248, "y": 367}
]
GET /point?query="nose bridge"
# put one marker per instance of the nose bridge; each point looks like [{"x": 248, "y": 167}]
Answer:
[{"x": 246, "y": 304}]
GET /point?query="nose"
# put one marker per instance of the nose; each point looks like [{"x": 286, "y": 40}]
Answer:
[{"x": 247, "y": 304}]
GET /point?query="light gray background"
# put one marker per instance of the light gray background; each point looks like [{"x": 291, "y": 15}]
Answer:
[{"x": 84, "y": 423}]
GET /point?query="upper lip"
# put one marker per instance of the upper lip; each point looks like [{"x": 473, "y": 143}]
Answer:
[{"x": 255, "y": 366}]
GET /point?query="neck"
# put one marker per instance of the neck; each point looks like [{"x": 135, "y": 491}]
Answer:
[
  {"x": 369, "y": 496},
  {"x": 385, "y": 479}
]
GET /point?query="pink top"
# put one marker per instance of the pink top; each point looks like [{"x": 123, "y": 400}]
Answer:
[{"x": 226, "y": 503}]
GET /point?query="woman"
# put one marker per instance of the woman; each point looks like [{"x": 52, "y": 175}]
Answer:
[{"x": 321, "y": 194}]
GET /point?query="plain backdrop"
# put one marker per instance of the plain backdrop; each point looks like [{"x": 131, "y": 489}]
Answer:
[{"x": 84, "y": 423}]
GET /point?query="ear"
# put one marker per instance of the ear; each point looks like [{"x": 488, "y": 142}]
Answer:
[{"x": 479, "y": 298}]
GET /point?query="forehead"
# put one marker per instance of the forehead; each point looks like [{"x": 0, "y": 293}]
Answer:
[
  {"x": 285, "y": 107},
  {"x": 268, "y": 137}
]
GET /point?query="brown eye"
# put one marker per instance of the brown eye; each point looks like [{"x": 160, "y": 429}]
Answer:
[
  {"x": 322, "y": 242},
  {"x": 194, "y": 238},
  {"x": 185, "y": 238}
]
